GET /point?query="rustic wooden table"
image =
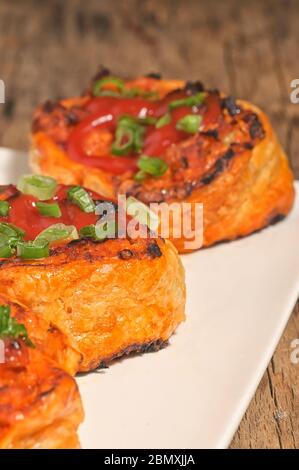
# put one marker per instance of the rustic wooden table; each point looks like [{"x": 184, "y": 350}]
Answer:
[{"x": 248, "y": 48}]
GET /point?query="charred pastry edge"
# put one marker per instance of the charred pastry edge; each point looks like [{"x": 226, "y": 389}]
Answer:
[
  {"x": 151, "y": 251},
  {"x": 220, "y": 166},
  {"x": 143, "y": 348}
]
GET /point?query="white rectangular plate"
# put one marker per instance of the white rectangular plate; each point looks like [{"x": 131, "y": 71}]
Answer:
[{"x": 194, "y": 393}]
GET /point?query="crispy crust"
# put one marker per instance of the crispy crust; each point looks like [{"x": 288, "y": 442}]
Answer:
[
  {"x": 46, "y": 337},
  {"x": 103, "y": 297},
  {"x": 40, "y": 406},
  {"x": 247, "y": 193}
]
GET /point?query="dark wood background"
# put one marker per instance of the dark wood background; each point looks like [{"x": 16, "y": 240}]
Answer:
[{"x": 248, "y": 48}]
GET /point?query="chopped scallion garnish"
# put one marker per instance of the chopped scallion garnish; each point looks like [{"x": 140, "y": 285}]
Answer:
[
  {"x": 124, "y": 140},
  {"x": 100, "y": 231},
  {"x": 128, "y": 136},
  {"x": 6, "y": 251},
  {"x": 140, "y": 176},
  {"x": 10, "y": 328},
  {"x": 41, "y": 187},
  {"x": 48, "y": 210},
  {"x": 81, "y": 198},
  {"x": 147, "y": 120},
  {"x": 98, "y": 86},
  {"x": 10, "y": 236},
  {"x": 189, "y": 123},
  {"x": 33, "y": 249},
  {"x": 10, "y": 231},
  {"x": 4, "y": 208},
  {"x": 58, "y": 232},
  {"x": 153, "y": 166},
  {"x": 193, "y": 100},
  {"x": 162, "y": 121}
]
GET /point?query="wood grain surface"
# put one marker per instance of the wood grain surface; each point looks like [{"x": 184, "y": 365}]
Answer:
[{"x": 49, "y": 49}]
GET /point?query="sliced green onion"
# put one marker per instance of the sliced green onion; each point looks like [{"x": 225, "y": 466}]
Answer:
[
  {"x": 117, "y": 82},
  {"x": 138, "y": 138},
  {"x": 142, "y": 213},
  {"x": 81, "y": 198},
  {"x": 124, "y": 140},
  {"x": 163, "y": 120},
  {"x": 6, "y": 251},
  {"x": 48, "y": 210},
  {"x": 100, "y": 231},
  {"x": 147, "y": 120},
  {"x": 140, "y": 176},
  {"x": 114, "y": 94},
  {"x": 4, "y": 208},
  {"x": 58, "y": 232},
  {"x": 10, "y": 328},
  {"x": 10, "y": 231},
  {"x": 129, "y": 136},
  {"x": 132, "y": 92},
  {"x": 89, "y": 231},
  {"x": 10, "y": 236},
  {"x": 193, "y": 100},
  {"x": 33, "y": 249},
  {"x": 153, "y": 166},
  {"x": 126, "y": 121},
  {"x": 189, "y": 123},
  {"x": 41, "y": 187}
]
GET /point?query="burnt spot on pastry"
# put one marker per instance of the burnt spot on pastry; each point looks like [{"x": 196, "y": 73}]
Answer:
[
  {"x": 154, "y": 75},
  {"x": 125, "y": 254},
  {"x": 194, "y": 87},
  {"x": 214, "y": 91},
  {"x": 102, "y": 72},
  {"x": 149, "y": 347},
  {"x": 276, "y": 218},
  {"x": 72, "y": 118},
  {"x": 184, "y": 161},
  {"x": 49, "y": 106},
  {"x": 153, "y": 250},
  {"x": 219, "y": 167},
  {"x": 229, "y": 103},
  {"x": 211, "y": 133},
  {"x": 248, "y": 145},
  {"x": 256, "y": 130}
]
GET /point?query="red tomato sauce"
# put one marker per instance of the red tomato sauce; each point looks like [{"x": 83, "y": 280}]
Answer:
[
  {"x": 24, "y": 214},
  {"x": 104, "y": 114}
]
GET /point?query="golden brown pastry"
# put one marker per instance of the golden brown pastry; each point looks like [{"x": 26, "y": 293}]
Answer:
[
  {"x": 40, "y": 406},
  {"x": 169, "y": 141},
  {"x": 101, "y": 297}
]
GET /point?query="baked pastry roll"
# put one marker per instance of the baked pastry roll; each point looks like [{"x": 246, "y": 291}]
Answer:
[
  {"x": 100, "y": 294},
  {"x": 169, "y": 141},
  {"x": 40, "y": 406}
]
